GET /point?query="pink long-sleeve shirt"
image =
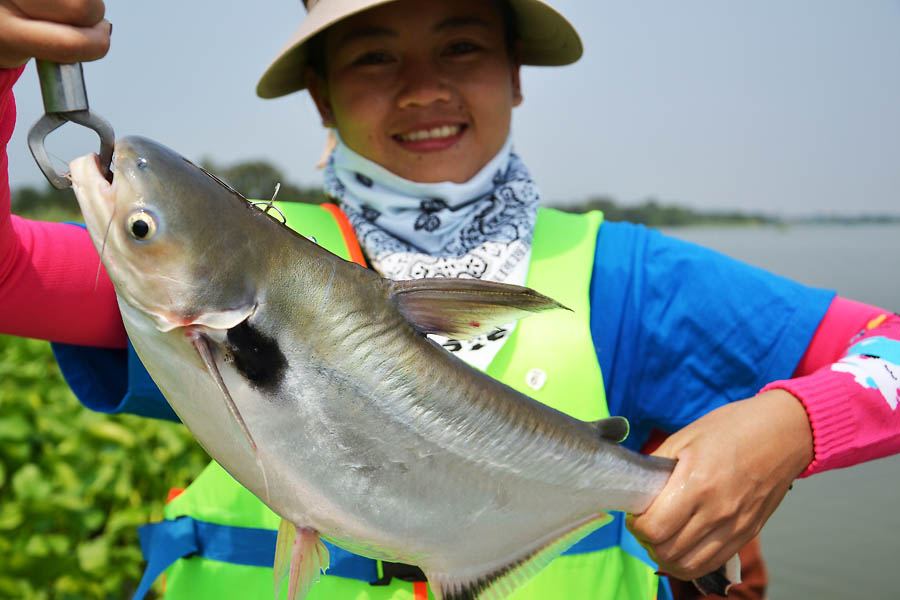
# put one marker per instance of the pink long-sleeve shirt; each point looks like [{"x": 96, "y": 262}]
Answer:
[
  {"x": 48, "y": 270},
  {"x": 53, "y": 287}
]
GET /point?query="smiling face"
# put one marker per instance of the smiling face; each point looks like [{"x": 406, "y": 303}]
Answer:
[{"x": 424, "y": 88}]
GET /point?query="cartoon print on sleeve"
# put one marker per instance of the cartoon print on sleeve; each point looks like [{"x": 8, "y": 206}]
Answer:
[{"x": 875, "y": 364}]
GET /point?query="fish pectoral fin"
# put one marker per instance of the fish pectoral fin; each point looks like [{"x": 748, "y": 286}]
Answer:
[
  {"x": 224, "y": 319},
  {"x": 465, "y": 308},
  {"x": 720, "y": 581},
  {"x": 613, "y": 429},
  {"x": 503, "y": 581},
  {"x": 301, "y": 557},
  {"x": 203, "y": 347}
]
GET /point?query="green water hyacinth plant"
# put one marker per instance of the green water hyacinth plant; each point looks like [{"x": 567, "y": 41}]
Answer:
[{"x": 75, "y": 485}]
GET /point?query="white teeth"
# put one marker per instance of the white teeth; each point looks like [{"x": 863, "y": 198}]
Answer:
[{"x": 431, "y": 134}]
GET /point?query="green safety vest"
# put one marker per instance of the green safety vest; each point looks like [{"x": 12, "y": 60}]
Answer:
[{"x": 550, "y": 357}]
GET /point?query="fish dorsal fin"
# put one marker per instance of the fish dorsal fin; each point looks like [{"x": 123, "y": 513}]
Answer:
[
  {"x": 301, "y": 557},
  {"x": 465, "y": 308},
  {"x": 613, "y": 429},
  {"x": 500, "y": 583}
]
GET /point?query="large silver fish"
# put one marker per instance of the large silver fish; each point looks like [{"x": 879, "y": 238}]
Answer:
[{"x": 310, "y": 380}]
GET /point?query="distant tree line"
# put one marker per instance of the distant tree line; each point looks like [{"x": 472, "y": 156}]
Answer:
[
  {"x": 654, "y": 214},
  {"x": 257, "y": 180}
]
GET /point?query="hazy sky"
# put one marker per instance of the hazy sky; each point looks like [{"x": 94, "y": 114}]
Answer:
[{"x": 781, "y": 106}]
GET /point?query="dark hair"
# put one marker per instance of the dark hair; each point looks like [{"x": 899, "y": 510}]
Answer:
[{"x": 315, "y": 48}]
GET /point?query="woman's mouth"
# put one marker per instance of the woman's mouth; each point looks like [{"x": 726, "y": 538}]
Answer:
[{"x": 428, "y": 139}]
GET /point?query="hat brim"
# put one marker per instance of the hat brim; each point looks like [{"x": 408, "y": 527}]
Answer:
[{"x": 546, "y": 38}]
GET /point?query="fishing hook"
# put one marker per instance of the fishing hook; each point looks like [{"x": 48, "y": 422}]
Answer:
[{"x": 269, "y": 205}]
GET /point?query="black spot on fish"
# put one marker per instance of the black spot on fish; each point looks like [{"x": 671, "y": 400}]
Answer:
[{"x": 256, "y": 356}]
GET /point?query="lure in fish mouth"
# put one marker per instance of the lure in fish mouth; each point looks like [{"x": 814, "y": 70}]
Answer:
[{"x": 311, "y": 381}]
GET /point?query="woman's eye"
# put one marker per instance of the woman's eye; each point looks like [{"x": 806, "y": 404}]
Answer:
[
  {"x": 141, "y": 225},
  {"x": 373, "y": 58},
  {"x": 462, "y": 48}
]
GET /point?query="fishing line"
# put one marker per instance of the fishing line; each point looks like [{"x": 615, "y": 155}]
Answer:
[
  {"x": 61, "y": 173},
  {"x": 103, "y": 248}
]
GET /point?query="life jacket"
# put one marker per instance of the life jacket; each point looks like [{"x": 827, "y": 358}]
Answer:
[{"x": 218, "y": 540}]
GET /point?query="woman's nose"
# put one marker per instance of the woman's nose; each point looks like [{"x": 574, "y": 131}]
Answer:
[{"x": 422, "y": 84}]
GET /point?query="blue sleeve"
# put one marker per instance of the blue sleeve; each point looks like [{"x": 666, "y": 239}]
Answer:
[
  {"x": 111, "y": 381},
  {"x": 680, "y": 330}
]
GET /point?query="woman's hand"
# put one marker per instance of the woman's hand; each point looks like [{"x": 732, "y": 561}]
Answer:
[
  {"x": 63, "y": 31},
  {"x": 734, "y": 467}
]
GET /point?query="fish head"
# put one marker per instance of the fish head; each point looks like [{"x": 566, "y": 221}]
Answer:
[{"x": 175, "y": 240}]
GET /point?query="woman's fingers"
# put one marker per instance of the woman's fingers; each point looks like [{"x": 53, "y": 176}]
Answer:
[
  {"x": 734, "y": 467},
  {"x": 671, "y": 511},
  {"x": 80, "y": 13},
  {"x": 23, "y": 37}
]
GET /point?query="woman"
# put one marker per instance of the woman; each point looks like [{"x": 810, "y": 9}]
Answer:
[{"x": 420, "y": 95}]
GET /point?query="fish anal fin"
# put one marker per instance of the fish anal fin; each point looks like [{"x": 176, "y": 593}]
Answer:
[
  {"x": 465, "y": 308},
  {"x": 301, "y": 557},
  {"x": 501, "y": 582},
  {"x": 613, "y": 429}
]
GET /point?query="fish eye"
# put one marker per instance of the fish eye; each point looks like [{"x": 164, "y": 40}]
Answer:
[{"x": 141, "y": 225}]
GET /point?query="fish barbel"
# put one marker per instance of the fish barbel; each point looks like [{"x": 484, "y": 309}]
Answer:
[{"x": 309, "y": 379}]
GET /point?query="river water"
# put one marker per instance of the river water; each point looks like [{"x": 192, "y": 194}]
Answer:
[{"x": 835, "y": 534}]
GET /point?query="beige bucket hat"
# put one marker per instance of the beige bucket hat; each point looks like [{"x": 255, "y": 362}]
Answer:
[{"x": 546, "y": 38}]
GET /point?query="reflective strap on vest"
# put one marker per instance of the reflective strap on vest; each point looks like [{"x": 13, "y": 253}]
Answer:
[{"x": 165, "y": 542}]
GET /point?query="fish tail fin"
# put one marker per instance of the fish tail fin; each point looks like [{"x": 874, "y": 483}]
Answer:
[
  {"x": 301, "y": 557},
  {"x": 720, "y": 581},
  {"x": 503, "y": 581}
]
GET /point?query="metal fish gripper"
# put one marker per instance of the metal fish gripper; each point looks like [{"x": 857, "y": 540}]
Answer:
[{"x": 65, "y": 99}]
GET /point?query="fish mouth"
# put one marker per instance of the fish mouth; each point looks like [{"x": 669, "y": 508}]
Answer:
[{"x": 96, "y": 196}]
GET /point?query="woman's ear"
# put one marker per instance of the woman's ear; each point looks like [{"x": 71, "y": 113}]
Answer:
[
  {"x": 516, "y": 82},
  {"x": 318, "y": 89}
]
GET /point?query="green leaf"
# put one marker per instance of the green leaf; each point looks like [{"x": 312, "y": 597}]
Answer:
[
  {"x": 93, "y": 519},
  {"x": 129, "y": 518},
  {"x": 113, "y": 432},
  {"x": 37, "y": 546},
  {"x": 30, "y": 484},
  {"x": 14, "y": 428},
  {"x": 11, "y": 516},
  {"x": 2, "y": 474},
  {"x": 11, "y": 587},
  {"x": 93, "y": 555}
]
